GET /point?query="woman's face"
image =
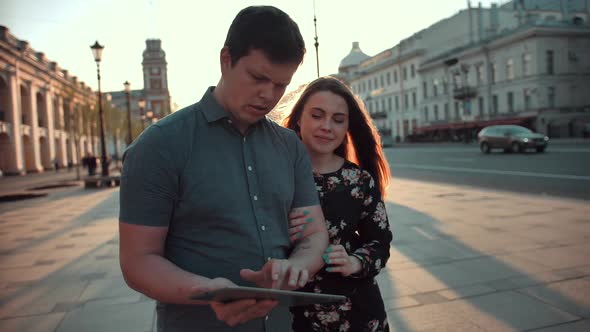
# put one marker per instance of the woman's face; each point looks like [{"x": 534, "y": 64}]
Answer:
[{"x": 323, "y": 122}]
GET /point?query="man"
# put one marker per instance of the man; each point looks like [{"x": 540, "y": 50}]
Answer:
[{"x": 206, "y": 191}]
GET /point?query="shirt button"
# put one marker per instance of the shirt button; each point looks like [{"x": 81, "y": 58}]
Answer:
[
  {"x": 263, "y": 227},
  {"x": 268, "y": 258},
  {"x": 250, "y": 168},
  {"x": 255, "y": 197},
  {"x": 229, "y": 121},
  {"x": 265, "y": 317}
]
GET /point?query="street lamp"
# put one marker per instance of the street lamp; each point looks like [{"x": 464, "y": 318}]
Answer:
[
  {"x": 128, "y": 93},
  {"x": 141, "y": 104},
  {"x": 97, "y": 52}
]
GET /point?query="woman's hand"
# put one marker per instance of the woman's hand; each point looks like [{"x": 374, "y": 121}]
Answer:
[
  {"x": 338, "y": 260},
  {"x": 298, "y": 221}
]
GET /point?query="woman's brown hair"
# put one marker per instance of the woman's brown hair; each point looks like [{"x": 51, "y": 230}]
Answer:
[{"x": 362, "y": 143}]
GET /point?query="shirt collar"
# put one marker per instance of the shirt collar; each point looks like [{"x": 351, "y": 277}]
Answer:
[{"x": 212, "y": 110}]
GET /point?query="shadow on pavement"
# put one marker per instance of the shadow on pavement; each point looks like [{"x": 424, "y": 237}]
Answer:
[{"x": 448, "y": 270}]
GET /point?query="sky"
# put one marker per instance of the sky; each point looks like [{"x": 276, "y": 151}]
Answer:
[{"x": 193, "y": 32}]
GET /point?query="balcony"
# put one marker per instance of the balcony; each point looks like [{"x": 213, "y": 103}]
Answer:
[{"x": 464, "y": 92}]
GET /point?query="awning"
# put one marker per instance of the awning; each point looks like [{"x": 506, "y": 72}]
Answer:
[{"x": 475, "y": 124}]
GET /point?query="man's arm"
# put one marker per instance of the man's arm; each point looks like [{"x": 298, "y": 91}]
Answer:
[
  {"x": 141, "y": 255},
  {"x": 305, "y": 259},
  {"x": 308, "y": 251},
  {"x": 146, "y": 270}
]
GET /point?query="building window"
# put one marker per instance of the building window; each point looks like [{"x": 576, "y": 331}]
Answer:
[
  {"x": 397, "y": 103},
  {"x": 493, "y": 72},
  {"x": 457, "y": 117},
  {"x": 405, "y": 73},
  {"x": 381, "y": 80},
  {"x": 435, "y": 112},
  {"x": 406, "y": 103},
  {"x": 467, "y": 107},
  {"x": 388, "y": 78},
  {"x": 424, "y": 90},
  {"x": 494, "y": 104},
  {"x": 480, "y": 106},
  {"x": 389, "y": 104},
  {"x": 526, "y": 64},
  {"x": 376, "y": 86},
  {"x": 510, "y": 101},
  {"x": 369, "y": 83},
  {"x": 447, "y": 111},
  {"x": 479, "y": 73},
  {"x": 414, "y": 100},
  {"x": 435, "y": 88},
  {"x": 413, "y": 71},
  {"x": 425, "y": 113},
  {"x": 551, "y": 97},
  {"x": 383, "y": 104},
  {"x": 510, "y": 69},
  {"x": 395, "y": 76},
  {"x": 550, "y": 69},
  {"x": 527, "y": 99}
]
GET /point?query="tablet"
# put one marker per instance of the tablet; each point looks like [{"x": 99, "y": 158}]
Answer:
[{"x": 285, "y": 298}]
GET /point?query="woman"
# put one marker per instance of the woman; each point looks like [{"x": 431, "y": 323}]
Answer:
[{"x": 337, "y": 132}]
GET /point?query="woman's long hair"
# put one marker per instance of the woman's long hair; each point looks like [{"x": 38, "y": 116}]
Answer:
[{"x": 362, "y": 143}]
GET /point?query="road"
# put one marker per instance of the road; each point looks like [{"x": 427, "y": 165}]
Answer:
[{"x": 562, "y": 171}]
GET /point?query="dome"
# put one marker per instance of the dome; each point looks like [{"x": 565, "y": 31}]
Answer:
[{"x": 353, "y": 58}]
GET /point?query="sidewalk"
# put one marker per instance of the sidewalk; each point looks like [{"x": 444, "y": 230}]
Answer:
[{"x": 462, "y": 260}]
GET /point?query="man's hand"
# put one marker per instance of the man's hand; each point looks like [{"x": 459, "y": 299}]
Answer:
[
  {"x": 277, "y": 274},
  {"x": 236, "y": 312}
]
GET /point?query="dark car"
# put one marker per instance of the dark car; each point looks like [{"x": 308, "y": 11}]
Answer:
[{"x": 511, "y": 138}]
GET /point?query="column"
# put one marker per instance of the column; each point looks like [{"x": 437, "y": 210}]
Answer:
[
  {"x": 35, "y": 130},
  {"x": 16, "y": 161},
  {"x": 50, "y": 128}
]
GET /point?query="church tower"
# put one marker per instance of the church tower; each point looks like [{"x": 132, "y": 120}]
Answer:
[{"x": 155, "y": 78}]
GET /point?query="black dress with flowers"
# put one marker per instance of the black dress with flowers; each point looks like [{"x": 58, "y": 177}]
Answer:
[{"x": 356, "y": 219}]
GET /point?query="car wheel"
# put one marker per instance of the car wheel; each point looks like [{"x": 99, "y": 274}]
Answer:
[
  {"x": 516, "y": 147},
  {"x": 484, "y": 147},
  {"x": 541, "y": 149}
]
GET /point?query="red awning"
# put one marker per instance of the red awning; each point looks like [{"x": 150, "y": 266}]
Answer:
[{"x": 475, "y": 124}]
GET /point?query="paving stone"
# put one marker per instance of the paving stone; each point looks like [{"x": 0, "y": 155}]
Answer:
[
  {"x": 429, "y": 298},
  {"x": 572, "y": 296},
  {"x": 92, "y": 319},
  {"x": 37, "y": 323},
  {"x": 513, "y": 309},
  {"x": 579, "y": 326},
  {"x": 467, "y": 291}
]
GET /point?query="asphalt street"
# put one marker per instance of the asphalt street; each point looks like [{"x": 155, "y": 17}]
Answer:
[{"x": 563, "y": 171}]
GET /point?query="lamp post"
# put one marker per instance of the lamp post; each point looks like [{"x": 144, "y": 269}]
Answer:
[
  {"x": 127, "y": 86},
  {"x": 97, "y": 52},
  {"x": 141, "y": 104}
]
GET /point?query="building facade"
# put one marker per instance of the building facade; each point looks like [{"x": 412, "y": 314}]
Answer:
[
  {"x": 42, "y": 111},
  {"x": 525, "y": 62}
]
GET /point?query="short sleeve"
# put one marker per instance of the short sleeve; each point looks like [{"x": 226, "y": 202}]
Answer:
[
  {"x": 306, "y": 193},
  {"x": 149, "y": 181}
]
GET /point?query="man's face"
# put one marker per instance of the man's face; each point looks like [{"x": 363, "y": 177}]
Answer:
[{"x": 252, "y": 86}]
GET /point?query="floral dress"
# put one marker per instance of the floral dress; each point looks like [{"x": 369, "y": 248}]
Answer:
[{"x": 356, "y": 219}]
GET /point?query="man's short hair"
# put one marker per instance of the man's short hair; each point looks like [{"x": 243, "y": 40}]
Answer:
[{"x": 268, "y": 29}]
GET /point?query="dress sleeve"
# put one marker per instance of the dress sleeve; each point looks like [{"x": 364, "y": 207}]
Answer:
[{"x": 373, "y": 230}]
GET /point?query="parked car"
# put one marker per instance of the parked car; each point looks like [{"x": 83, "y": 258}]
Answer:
[{"x": 511, "y": 138}]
